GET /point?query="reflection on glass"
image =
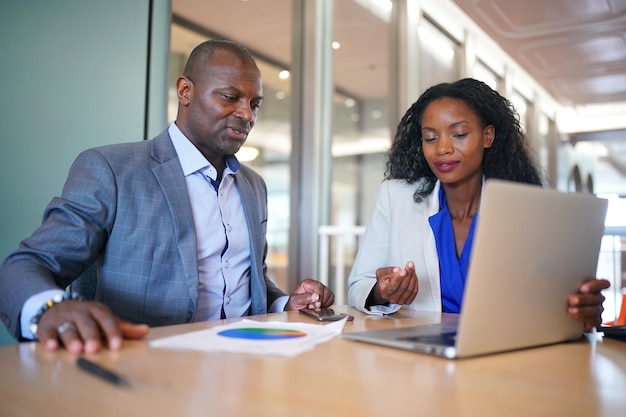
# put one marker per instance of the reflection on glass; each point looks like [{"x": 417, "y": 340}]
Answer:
[
  {"x": 521, "y": 107},
  {"x": 485, "y": 74},
  {"x": 543, "y": 129},
  {"x": 438, "y": 56},
  {"x": 360, "y": 115}
]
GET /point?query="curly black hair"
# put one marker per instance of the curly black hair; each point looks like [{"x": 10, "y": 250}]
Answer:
[{"x": 508, "y": 158}]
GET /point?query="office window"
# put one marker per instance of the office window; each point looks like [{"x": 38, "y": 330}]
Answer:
[
  {"x": 360, "y": 112},
  {"x": 521, "y": 105},
  {"x": 360, "y": 125},
  {"x": 543, "y": 130},
  {"x": 485, "y": 74},
  {"x": 438, "y": 56}
]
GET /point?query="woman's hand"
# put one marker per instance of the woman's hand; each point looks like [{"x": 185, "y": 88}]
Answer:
[
  {"x": 395, "y": 285},
  {"x": 586, "y": 305}
]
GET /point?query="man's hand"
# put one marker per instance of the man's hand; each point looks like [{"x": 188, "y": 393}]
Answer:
[
  {"x": 84, "y": 326},
  {"x": 310, "y": 294}
]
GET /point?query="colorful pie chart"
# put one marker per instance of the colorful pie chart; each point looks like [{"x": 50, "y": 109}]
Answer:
[{"x": 252, "y": 333}]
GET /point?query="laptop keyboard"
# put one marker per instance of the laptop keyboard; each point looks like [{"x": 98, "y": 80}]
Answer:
[{"x": 445, "y": 339}]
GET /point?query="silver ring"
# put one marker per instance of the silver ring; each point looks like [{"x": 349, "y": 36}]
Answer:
[{"x": 65, "y": 327}]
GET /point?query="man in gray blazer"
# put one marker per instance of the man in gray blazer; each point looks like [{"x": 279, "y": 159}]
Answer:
[{"x": 176, "y": 226}]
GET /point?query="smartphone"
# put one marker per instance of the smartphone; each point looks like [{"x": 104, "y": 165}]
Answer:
[
  {"x": 325, "y": 314},
  {"x": 615, "y": 332}
]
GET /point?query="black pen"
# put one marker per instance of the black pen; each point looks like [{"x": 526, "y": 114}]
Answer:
[{"x": 100, "y": 372}]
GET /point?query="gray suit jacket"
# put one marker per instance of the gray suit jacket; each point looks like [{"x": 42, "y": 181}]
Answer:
[{"x": 126, "y": 208}]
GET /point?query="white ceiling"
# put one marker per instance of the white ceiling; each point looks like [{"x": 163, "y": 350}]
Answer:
[{"x": 575, "y": 49}]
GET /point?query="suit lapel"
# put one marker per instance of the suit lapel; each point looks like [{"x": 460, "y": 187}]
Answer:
[
  {"x": 250, "y": 206},
  {"x": 169, "y": 174}
]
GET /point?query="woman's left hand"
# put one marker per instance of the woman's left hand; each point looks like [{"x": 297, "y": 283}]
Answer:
[{"x": 586, "y": 305}]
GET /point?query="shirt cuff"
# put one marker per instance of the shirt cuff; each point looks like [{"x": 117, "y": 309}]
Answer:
[
  {"x": 279, "y": 304},
  {"x": 30, "y": 308},
  {"x": 383, "y": 309}
]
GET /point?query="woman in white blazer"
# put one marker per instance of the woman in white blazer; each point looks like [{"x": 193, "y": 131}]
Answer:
[{"x": 417, "y": 245}]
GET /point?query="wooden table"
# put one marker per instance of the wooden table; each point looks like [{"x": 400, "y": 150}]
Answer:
[{"x": 336, "y": 378}]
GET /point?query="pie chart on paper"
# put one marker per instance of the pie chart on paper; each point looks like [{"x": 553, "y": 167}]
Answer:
[{"x": 252, "y": 333}]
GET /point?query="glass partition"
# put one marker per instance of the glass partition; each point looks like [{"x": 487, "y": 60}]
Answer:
[
  {"x": 438, "y": 60},
  {"x": 360, "y": 114},
  {"x": 485, "y": 74}
]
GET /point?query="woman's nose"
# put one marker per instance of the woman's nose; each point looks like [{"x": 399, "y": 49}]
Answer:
[{"x": 444, "y": 145}]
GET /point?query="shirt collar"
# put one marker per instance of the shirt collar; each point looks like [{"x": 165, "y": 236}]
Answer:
[{"x": 191, "y": 159}]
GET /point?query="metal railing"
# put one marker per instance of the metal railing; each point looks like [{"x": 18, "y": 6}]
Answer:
[{"x": 342, "y": 236}]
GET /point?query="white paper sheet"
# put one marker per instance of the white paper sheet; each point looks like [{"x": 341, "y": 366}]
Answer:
[{"x": 255, "y": 337}]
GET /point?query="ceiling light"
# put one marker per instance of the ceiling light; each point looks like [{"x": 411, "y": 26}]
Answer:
[
  {"x": 247, "y": 153},
  {"x": 283, "y": 75},
  {"x": 335, "y": 45}
]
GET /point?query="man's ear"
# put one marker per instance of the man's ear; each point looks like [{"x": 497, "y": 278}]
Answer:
[
  {"x": 489, "y": 135},
  {"x": 184, "y": 89}
]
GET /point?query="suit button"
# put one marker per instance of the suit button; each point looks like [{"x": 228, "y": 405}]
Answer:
[{"x": 189, "y": 316}]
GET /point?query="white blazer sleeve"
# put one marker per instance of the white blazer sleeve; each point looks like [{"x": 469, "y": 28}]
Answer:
[
  {"x": 398, "y": 232},
  {"x": 373, "y": 253}
]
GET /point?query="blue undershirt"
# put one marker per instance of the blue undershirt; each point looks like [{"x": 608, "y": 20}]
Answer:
[{"x": 453, "y": 270}]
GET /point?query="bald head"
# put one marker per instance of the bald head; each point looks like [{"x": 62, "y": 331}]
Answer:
[{"x": 202, "y": 54}]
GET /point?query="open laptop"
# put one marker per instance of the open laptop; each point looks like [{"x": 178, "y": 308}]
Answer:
[{"x": 532, "y": 248}]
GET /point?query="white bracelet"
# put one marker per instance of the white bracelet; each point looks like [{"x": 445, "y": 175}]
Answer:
[{"x": 34, "y": 322}]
